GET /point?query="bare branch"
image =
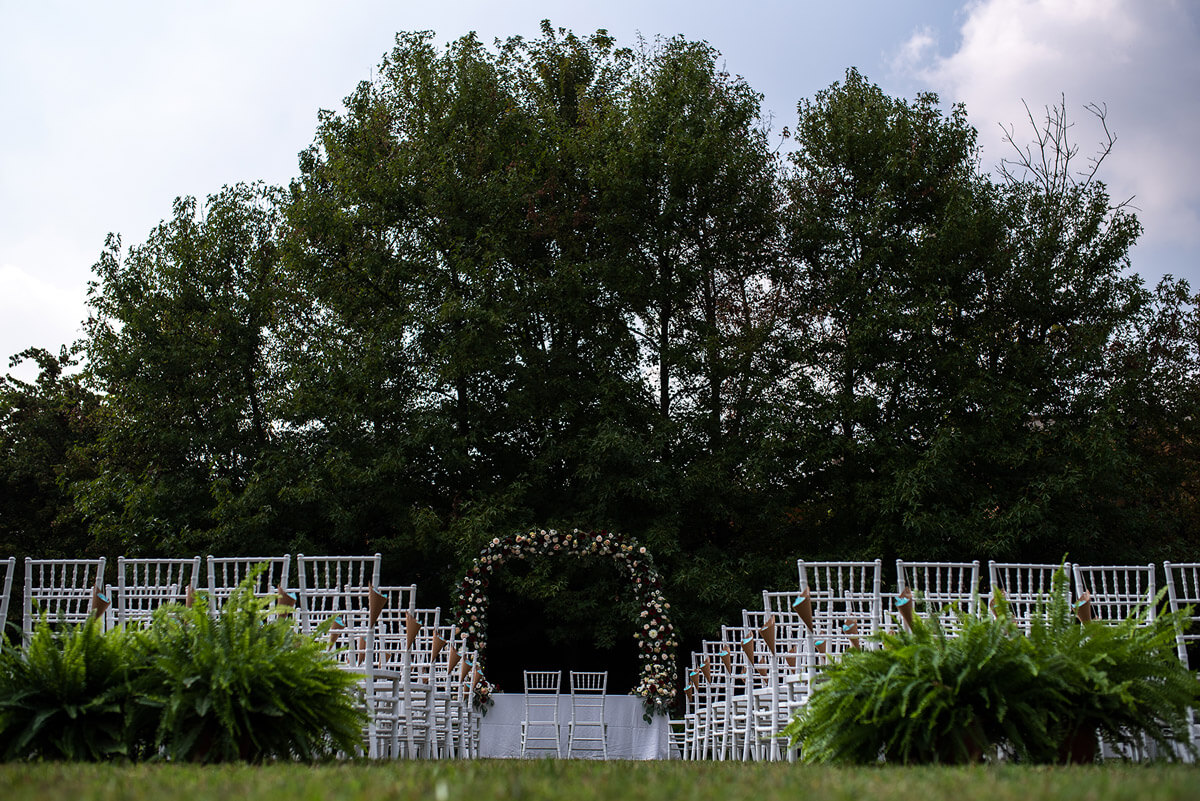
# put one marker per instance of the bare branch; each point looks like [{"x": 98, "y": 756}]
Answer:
[
  {"x": 1106, "y": 145},
  {"x": 1047, "y": 159}
]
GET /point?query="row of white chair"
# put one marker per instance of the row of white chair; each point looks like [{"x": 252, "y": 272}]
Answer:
[
  {"x": 72, "y": 590},
  {"x": 418, "y": 681},
  {"x": 1111, "y": 592}
]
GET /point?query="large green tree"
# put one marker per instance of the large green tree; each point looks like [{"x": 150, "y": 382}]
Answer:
[
  {"x": 179, "y": 348},
  {"x": 895, "y": 235},
  {"x": 45, "y": 424},
  {"x": 689, "y": 198},
  {"x": 440, "y": 237},
  {"x": 1047, "y": 465},
  {"x": 958, "y": 331},
  {"x": 491, "y": 251}
]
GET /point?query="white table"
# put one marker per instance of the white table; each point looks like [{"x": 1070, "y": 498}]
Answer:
[{"x": 629, "y": 735}]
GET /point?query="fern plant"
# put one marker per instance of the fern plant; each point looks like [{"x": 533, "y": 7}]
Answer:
[
  {"x": 64, "y": 695},
  {"x": 928, "y": 697},
  {"x": 242, "y": 685},
  {"x": 1121, "y": 683}
]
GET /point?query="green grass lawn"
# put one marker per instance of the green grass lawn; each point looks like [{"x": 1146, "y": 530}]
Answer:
[{"x": 585, "y": 781}]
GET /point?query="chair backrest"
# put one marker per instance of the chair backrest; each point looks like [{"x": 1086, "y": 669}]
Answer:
[
  {"x": 588, "y": 688},
  {"x": 783, "y": 630},
  {"x": 8, "y": 568},
  {"x": 589, "y": 682},
  {"x": 144, "y": 585},
  {"x": 543, "y": 682},
  {"x": 542, "y": 688},
  {"x": 844, "y": 590},
  {"x": 398, "y": 603},
  {"x": 329, "y": 583},
  {"x": 780, "y": 600},
  {"x": 940, "y": 584},
  {"x": 336, "y": 572},
  {"x": 1026, "y": 586},
  {"x": 61, "y": 589},
  {"x": 587, "y": 695},
  {"x": 225, "y": 573},
  {"x": 1183, "y": 592},
  {"x": 399, "y": 596},
  {"x": 416, "y": 642},
  {"x": 1116, "y": 591}
]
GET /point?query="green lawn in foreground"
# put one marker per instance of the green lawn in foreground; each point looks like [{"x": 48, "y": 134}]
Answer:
[{"x": 585, "y": 781}]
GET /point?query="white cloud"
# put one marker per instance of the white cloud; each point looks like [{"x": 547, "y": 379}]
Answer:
[
  {"x": 916, "y": 51},
  {"x": 38, "y": 312},
  {"x": 1141, "y": 59}
]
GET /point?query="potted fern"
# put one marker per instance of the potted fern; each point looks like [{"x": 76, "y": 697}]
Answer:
[
  {"x": 1049, "y": 696},
  {"x": 1120, "y": 683},
  {"x": 243, "y": 684},
  {"x": 927, "y": 696},
  {"x": 65, "y": 694}
]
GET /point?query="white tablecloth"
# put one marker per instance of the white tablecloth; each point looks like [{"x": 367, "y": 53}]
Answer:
[{"x": 629, "y": 735}]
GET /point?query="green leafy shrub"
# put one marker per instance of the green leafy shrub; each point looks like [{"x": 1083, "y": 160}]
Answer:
[
  {"x": 64, "y": 695},
  {"x": 241, "y": 685},
  {"x": 1120, "y": 682},
  {"x": 928, "y": 697}
]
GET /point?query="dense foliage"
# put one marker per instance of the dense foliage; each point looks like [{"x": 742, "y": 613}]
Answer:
[
  {"x": 926, "y": 696},
  {"x": 242, "y": 684},
  {"x": 558, "y": 283},
  {"x": 66, "y": 695}
]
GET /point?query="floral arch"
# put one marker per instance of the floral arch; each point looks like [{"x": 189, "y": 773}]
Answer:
[{"x": 655, "y": 636}]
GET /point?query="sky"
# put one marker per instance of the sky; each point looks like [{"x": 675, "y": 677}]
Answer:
[{"x": 109, "y": 111}]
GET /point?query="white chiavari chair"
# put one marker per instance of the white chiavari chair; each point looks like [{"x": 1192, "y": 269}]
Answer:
[
  {"x": 470, "y": 678},
  {"x": 587, "y": 730},
  {"x": 1026, "y": 587},
  {"x": 796, "y": 648},
  {"x": 383, "y": 628},
  {"x": 771, "y": 702},
  {"x": 747, "y": 678},
  {"x": 541, "y": 723},
  {"x": 689, "y": 724},
  {"x": 1183, "y": 595},
  {"x": 451, "y": 694},
  {"x": 716, "y": 690},
  {"x": 225, "y": 573},
  {"x": 143, "y": 585},
  {"x": 1114, "y": 592},
  {"x": 66, "y": 591},
  {"x": 401, "y": 706},
  {"x": 1110, "y": 593}
]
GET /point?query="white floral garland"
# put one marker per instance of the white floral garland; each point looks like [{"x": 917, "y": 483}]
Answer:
[{"x": 656, "y": 637}]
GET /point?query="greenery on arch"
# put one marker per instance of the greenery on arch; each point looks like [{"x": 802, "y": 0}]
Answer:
[{"x": 655, "y": 635}]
